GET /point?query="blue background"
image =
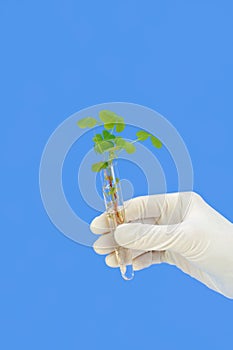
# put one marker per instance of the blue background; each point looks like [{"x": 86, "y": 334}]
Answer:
[{"x": 58, "y": 57}]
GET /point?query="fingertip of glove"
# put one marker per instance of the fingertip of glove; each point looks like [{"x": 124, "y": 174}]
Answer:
[
  {"x": 105, "y": 244},
  {"x": 99, "y": 224},
  {"x": 125, "y": 234},
  {"x": 111, "y": 260}
]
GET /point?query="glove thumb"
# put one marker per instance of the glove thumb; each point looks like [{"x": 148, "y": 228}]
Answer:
[{"x": 149, "y": 237}]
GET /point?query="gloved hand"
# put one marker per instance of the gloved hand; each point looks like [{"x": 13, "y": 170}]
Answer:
[{"x": 179, "y": 229}]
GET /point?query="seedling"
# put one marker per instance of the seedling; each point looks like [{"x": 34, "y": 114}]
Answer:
[{"x": 109, "y": 144}]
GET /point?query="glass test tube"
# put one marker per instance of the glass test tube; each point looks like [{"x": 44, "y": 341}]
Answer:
[{"x": 116, "y": 214}]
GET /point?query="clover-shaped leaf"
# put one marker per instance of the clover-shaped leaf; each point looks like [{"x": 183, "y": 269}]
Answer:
[{"x": 87, "y": 122}]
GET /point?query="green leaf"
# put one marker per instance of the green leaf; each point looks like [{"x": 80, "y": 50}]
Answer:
[
  {"x": 103, "y": 146},
  {"x": 129, "y": 147},
  {"x": 97, "y": 148},
  {"x": 99, "y": 166},
  {"x": 120, "y": 125},
  {"x": 87, "y": 122},
  {"x": 107, "y": 136},
  {"x": 109, "y": 126},
  {"x": 112, "y": 190},
  {"x": 142, "y": 135},
  {"x": 123, "y": 144},
  {"x": 108, "y": 116},
  {"x": 97, "y": 138},
  {"x": 111, "y": 119},
  {"x": 155, "y": 142},
  {"x": 119, "y": 141}
]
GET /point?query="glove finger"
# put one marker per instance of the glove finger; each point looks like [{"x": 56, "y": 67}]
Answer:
[
  {"x": 144, "y": 207},
  {"x": 150, "y": 221},
  {"x": 105, "y": 244},
  {"x": 100, "y": 225},
  {"x": 147, "y": 259},
  {"x": 161, "y": 208},
  {"x": 168, "y": 208},
  {"x": 139, "y": 208},
  {"x": 112, "y": 261},
  {"x": 150, "y": 237}
]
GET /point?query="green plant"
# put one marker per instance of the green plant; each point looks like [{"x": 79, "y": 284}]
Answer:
[{"x": 109, "y": 143}]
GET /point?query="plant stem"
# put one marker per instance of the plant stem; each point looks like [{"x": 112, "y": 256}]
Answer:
[
  {"x": 114, "y": 194},
  {"x": 135, "y": 141}
]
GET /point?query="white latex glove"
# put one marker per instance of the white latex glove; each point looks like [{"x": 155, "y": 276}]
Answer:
[{"x": 179, "y": 229}]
